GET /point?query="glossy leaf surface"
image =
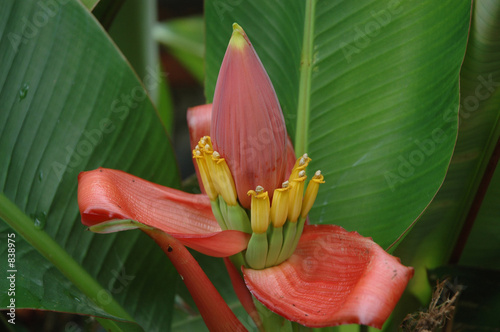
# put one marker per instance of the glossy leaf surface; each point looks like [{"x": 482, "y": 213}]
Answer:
[
  {"x": 431, "y": 242},
  {"x": 376, "y": 109},
  {"x": 70, "y": 102}
]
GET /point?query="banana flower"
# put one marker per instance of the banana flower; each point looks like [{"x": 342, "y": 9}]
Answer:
[{"x": 254, "y": 207}]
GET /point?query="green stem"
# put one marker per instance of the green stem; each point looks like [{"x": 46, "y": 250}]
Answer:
[
  {"x": 289, "y": 232},
  {"x": 306, "y": 62},
  {"x": 239, "y": 261},
  {"x": 275, "y": 244},
  {"x": 256, "y": 253},
  {"x": 296, "y": 327},
  {"x": 300, "y": 227},
  {"x": 239, "y": 218},
  {"x": 51, "y": 250},
  {"x": 218, "y": 214},
  {"x": 271, "y": 321}
]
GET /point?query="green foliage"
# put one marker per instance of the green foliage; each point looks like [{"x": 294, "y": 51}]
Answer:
[
  {"x": 433, "y": 239},
  {"x": 70, "y": 102},
  {"x": 381, "y": 119},
  {"x": 374, "y": 91}
]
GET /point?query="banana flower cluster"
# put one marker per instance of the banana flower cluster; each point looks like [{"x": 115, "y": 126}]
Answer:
[{"x": 254, "y": 208}]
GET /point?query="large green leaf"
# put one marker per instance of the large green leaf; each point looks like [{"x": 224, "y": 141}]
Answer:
[
  {"x": 368, "y": 88},
  {"x": 70, "y": 102},
  {"x": 131, "y": 31},
  {"x": 61, "y": 290},
  {"x": 431, "y": 242}
]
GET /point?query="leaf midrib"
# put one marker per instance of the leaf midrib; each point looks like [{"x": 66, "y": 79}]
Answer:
[{"x": 306, "y": 63}]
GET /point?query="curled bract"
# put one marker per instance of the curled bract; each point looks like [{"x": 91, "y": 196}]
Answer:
[
  {"x": 106, "y": 194},
  {"x": 334, "y": 277}
]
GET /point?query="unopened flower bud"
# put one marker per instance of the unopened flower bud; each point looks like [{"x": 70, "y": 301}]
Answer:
[{"x": 248, "y": 128}]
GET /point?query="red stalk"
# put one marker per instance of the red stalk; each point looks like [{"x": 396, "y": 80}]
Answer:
[
  {"x": 214, "y": 310},
  {"x": 243, "y": 293}
]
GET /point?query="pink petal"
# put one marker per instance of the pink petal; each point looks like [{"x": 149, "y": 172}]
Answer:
[
  {"x": 198, "y": 120},
  {"x": 106, "y": 194},
  {"x": 334, "y": 277}
]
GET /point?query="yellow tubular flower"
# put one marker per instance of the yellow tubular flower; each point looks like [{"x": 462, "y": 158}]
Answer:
[
  {"x": 207, "y": 154},
  {"x": 311, "y": 193},
  {"x": 259, "y": 210},
  {"x": 224, "y": 179},
  {"x": 300, "y": 165},
  {"x": 204, "y": 141},
  {"x": 279, "y": 207},
  {"x": 205, "y": 174},
  {"x": 295, "y": 196}
]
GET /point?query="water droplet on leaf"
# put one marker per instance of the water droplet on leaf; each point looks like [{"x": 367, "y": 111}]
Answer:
[
  {"x": 23, "y": 91},
  {"x": 40, "y": 220}
]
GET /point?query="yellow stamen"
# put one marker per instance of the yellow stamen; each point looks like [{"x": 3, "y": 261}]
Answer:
[
  {"x": 224, "y": 179},
  {"x": 300, "y": 165},
  {"x": 204, "y": 141},
  {"x": 207, "y": 155},
  {"x": 206, "y": 179},
  {"x": 279, "y": 207},
  {"x": 311, "y": 193},
  {"x": 295, "y": 196},
  {"x": 260, "y": 209}
]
